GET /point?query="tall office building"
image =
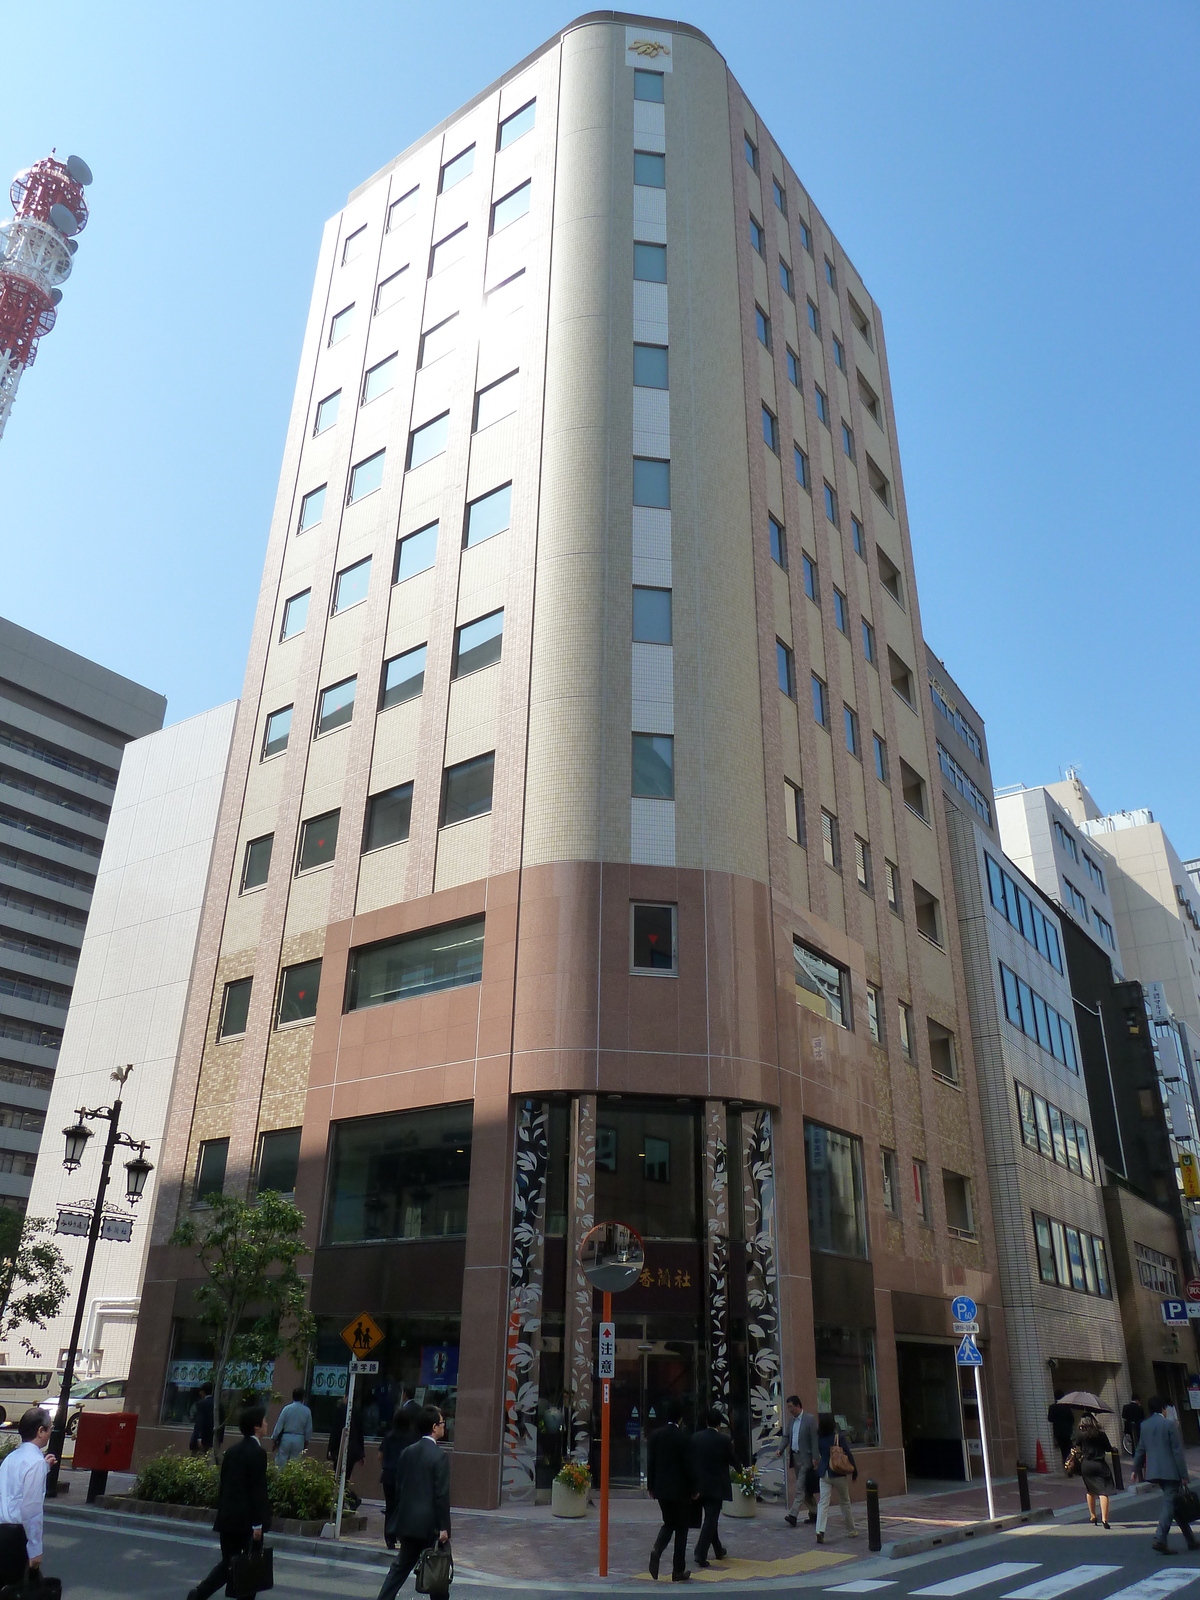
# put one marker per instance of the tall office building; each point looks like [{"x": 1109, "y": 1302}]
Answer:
[
  {"x": 579, "y": 859},
  {"x": 64, "y": 723}
]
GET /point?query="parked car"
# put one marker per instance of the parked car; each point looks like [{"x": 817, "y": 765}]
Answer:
[{"x": 99, "y": 1394}]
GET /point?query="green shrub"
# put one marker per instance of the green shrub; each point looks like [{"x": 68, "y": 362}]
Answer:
[
  {"x": 173, "y": 1480},
  {"x": 303, "y": 1488},
  {"x": 9, "y": 1440}
]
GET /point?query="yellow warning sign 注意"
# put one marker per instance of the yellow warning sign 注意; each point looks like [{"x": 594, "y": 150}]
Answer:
[{"x": 362, "y": 1334}]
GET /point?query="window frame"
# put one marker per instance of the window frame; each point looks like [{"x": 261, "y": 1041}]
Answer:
[{"x": 653, "y": 972}]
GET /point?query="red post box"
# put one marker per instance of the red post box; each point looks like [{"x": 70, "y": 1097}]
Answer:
[{"x": 104, "y": 1444}]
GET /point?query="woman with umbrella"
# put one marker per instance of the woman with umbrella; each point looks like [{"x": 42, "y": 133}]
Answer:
[{"x": 1090, "y": 1450}]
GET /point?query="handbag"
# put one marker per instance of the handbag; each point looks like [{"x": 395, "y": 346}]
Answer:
[
  {"x": 695, "y": 1514},
  {"x": 33, "y": 1585},
  {"x": 1187, "y": 1504},
  {"x": 839, "y": 1462},
  {"x": 812, "y": 1481},
  {"x": 435, "y": 1569},
  {"x": 250, "y": 1572},
  {"x": 1073, "y": 1462}
]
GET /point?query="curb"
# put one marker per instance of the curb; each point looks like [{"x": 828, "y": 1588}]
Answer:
[{"x": 969, "y": 1530}]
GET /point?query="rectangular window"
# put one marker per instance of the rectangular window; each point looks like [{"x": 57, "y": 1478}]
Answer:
[
  {"x": 653, "y": 941},
  {"x": 902, "y": 679},
  {"x": 1105, "y": 929},
  {"x": 927, "y": 914},
  {"x": 403, "y": 678},
  {"x": 793, "y": 366},
  {"x": 758, "y": 239},
  {"x": 778, "y": 542},
  {"x": 1072, "y": 1144},
  {"x": 210, "y": 1170},
  {"x": 402, "y": 210},
  {"x": 298, "y": 991},
  {"x": 822, "y": 404},
  {"x": 649, "y": 170},
  {"x": 1016, "y": 908},
  {"x": 511, "y": 207},
  {"x": 1065, "y": 840},
  {"x": 235, "y": 1008},
  {"x": 793, "y": 812},
  {"x": 860, "y": 320},
  {"x": 780, "y": 200},
  {"x": 650, "y": 263},
  {"x": 416, "y": 963},
  {"x": 350, "y": 588},
  {"x": 830, "y": 279},
  {"x": 648, "y": 86},
  {"x": 809, "y": 567},
  {"x": 921, "y": 1192},
  {"x": 1056, "y": 1133},
  {"x": 498, "y": 400},
  {"x": 805, "y": 236},
  {"x": 1155, "y": 1270},
  {"x": 762, "y": 324},
  {"x": 336, "y": 706},
  {"x": 960, "y": 1214},
  {"x": 875, "y": 1013},
  {"x": 340, "y": 325},
  {"x": 830, "y": 846},
  {"x": 456, "y": 169},
  {"x": 891, "y": 1182},
  {"x": 1101, "y": 1253},
  {"x": 892, "y": 874},
  {"x": 507, "y": 298},
  {"x": 477, "y": 644},
  {"x": 516, "y": 126},
  {"x": 278, "y": 731},
  {"x": 785, "y": 666},
  {"x": 785, "y": 279},
  {"x": 391, "y": 291},
  {"x": 751, "y": 152},
  {"x": 1038, "y": 1020},
  {"x": 404, "y": 1176},
  {"x": 868, "y": 634},
  {"x": 1058, "y": 1238},
  {"x": 820, "y": 699},
  {"x": 821, "y": 985},
  {"x": 651, "y": 615},
  {"x": 327, "y": 412},
  {"x": 879, "y": 484},
  {"x": 881, "y": 761},
  {"x": 831, "y": 504},
  {"x": 650, "y": 366},
  {"x": 278, "y": 1163},
  {"x": 295, "y": 615},
  {"x": 770, "y": 429},
  {"x": 841, "y": 616},
  {"x": 654, "y": 766},
  {"x": 814, "y": 318},
  {"x": 439, "y": 341},
  {"x": 1041, "y": 1113},
  {"x": 416, "y": 552},
  {"x": 1085, "y": 1152},
  {"x": 1075, "y": 901},
  {"x": 905, "y": 1018},
  {"x": 312, "y": 509},
  {"x": 488, "y": 516},
  {"x": 467, "y": 789},
  {"x": 801, "y": 464},
  {"x": 1094, "y": 872},
  {"x": 257, "y": 865},
  {"x": 388, "y": 817},
  {"x": 850, "y": 717},
  {"x": 1075, "y": 1259},
  {"x": 837, "y": 1211},
  {"x": 1045, "y": 1250},
  {"x": 428, "y": 441},
  {"x": 318, "y": 841},
  {"x": 447, "y": 251},
  {"x": 856, "y": 529},
  {"x": 1029, "y": 1134},
  {"x": 942, "y": 1055},
  {"x": 974, "y": 797},
  {"x": 366, "y": 477},
  {"x": 862, "y": 863},
  {"x": 379, "y": 379},
  {"x": 651, "y": 483},
  {"x": 839, "y": 353},
  {"x": 847, "y": 441},
  {"x": 1089, "y": 1265}
]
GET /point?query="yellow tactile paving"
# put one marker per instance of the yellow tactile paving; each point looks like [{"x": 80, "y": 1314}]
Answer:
[{"x": 736, "y": 1571}]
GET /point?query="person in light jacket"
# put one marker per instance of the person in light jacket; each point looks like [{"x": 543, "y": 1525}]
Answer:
[
  {"x": 1159, "y": 1457},
  {"x": 829, "y": 1435},
  {"x": 805, "y": 1457},
  {"x": 293, "y": 1430},
  {"x": 22, "y": 1495}
]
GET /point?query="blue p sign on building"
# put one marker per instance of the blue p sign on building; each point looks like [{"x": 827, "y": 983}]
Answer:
[
  {"x": 963, "y": 1309},
  {"x": 1174, "y": 1313}
]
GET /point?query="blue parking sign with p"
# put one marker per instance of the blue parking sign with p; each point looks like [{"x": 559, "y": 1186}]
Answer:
[{"x": 963, "y": 1309}]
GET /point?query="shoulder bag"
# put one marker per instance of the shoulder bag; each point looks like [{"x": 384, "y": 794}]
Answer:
[
  {"x": 1187, "y": 1504},
  {"x": 250, "y": 1572},
  {"x": 435, "y": 1569},
  {"x": 839, "y": 1461},
  {"x": 1073, "y": 1461}
]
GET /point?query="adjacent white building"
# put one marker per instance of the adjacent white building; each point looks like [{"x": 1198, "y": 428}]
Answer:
[{"x": 130, "y": 995}]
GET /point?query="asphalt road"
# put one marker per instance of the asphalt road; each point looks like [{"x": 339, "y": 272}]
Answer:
[{"x": 99, "y": 1561}]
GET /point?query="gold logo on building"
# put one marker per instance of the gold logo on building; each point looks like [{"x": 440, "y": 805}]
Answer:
[{"x": 651, "y": 49}]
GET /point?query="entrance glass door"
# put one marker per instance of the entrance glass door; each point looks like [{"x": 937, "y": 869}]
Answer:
[{"x": 650, "y": 1371}]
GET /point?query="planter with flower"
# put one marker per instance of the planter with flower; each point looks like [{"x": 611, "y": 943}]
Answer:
[
  {"x": 745, "y": 1492},
  {"x": 569, "y": 1491}
]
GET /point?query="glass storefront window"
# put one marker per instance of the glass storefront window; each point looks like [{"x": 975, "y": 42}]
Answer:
[
  {"x": 846, "y": 1381},
  {"x": 400, "y": 1177},
  {"x": 191, "y": 1366},
  {"x": 648, "y": 1167},
  {"x": 417, "y": 1355},
  {"x": 837, "y": 1213}
]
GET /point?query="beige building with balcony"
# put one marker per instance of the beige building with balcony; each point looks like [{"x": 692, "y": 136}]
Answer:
[{"x": 579, "y": 857}]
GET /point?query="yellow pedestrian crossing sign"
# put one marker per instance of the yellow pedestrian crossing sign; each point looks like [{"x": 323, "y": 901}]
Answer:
[{"x": 363, "y": 1334}]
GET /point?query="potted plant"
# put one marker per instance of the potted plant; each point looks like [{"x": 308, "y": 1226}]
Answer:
[
  {"x": 569, "y": 1491},
  {"x": 745, "y": 1492}
]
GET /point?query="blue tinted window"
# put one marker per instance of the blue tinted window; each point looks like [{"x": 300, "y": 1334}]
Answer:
[
  {"x": 488, "y": 516},
  {"x": 516, "y": 126},
  {"x": 416, "y": 553}
]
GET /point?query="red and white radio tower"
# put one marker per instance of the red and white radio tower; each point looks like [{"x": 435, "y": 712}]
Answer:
[{"x": 36, "y": 247}]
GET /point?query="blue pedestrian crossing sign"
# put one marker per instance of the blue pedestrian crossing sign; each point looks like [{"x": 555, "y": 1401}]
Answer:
[
  {"x": 964, "y": 1309},
  {"x": 968, "y": 1352}
]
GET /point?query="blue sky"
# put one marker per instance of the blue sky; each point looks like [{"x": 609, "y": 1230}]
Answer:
[{"x": 1017, "y": 185}]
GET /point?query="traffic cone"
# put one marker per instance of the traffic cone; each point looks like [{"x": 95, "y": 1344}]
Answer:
[{"x": 1040, "y": 1464}]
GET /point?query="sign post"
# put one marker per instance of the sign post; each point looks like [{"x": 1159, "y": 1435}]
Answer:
[
  {"x": 965, "y": 1313},
  {"x": 612, "y": 1257},
  {"x": 361, "y": 1335}
]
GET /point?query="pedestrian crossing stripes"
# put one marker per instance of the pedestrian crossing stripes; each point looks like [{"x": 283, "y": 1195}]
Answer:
[
  {"x": 1061, "y": 1583},
  {"x": 1159, "y": 1584},
  {"x": 966, "y": 1581},
  {"x": 862, "y": 1586}
]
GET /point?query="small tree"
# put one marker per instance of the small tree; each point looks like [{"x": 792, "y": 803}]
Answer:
[
  {"x": 33, "y": 1276},
  {"x": 248, "y": 1250}
]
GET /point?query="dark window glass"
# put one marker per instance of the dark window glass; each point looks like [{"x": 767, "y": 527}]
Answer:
[
  {"x": 478, "y": 644},
  {"x": 654, "y": 939},
  {"x": 258, "y": 862},
  {"x": 650, "y": 263},
  {"x": 648, "y": 86},
  {"x": 651, "y": 483},
  {"x": 279, "y": 727},
  {"x": 837, "y": 1213},
  {"x": 654, "y": 766},
  {"x": 770, "y": 430},
  {"x": 278, "y": 1161},
  {"x": 467, "y": 789},
  {"x": 400, "y": 1177},
  {"x": 785, "y": 668},
  {"x": 235, "y": 1008},
  {"x": 336, "y": 705},
  {"x": 649, "y": 170},
  {"x": 650, "y": 1174},
  {"x": 651, "y": 616},
  {"x": 210, "y": 1169},
  {"x": 488, "y": 516},
  {"x": 416, "y": 553},
  {"x": 778, "y": 543},
  {"x": 388, "y": 816},
  {"x": 403, "y": 678},
  {"x": 318, "y": 841},
  {"x": 298, "y": 992},
  {"x": 762, "y": 323},
  {"x": 650, "y": 366},
  {"x": 418, "y": 963},
  {"x": 785, "y": 278}
]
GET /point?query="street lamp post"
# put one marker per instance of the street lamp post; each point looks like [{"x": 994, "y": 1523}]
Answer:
[{"x": 137, "y": 1170}]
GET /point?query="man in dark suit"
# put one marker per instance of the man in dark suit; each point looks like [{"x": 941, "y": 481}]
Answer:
[
  {"x": 243, "y": 1510},
  {"x": 405, "y": 1430},
  {"x": 713, "y": 1453},
  {"x": 422, "y": 1515},
  {"x": 201, "y": 1441},
  {"x": 671, "y": 1480}
]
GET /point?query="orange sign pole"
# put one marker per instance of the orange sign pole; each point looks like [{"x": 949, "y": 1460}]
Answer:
[{"x": 604, "y": 1409}]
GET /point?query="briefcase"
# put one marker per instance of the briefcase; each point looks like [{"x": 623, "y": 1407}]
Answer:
[
  {"x": 695, "y": 1514},
  {"x": 250, "y": 1572},
  {"x": 1187, "y": 1505},
  {"x": 33, "y": 1587},
  {"x": 812, "y": 1481},
  {"x": 435, "y": 1569}
]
